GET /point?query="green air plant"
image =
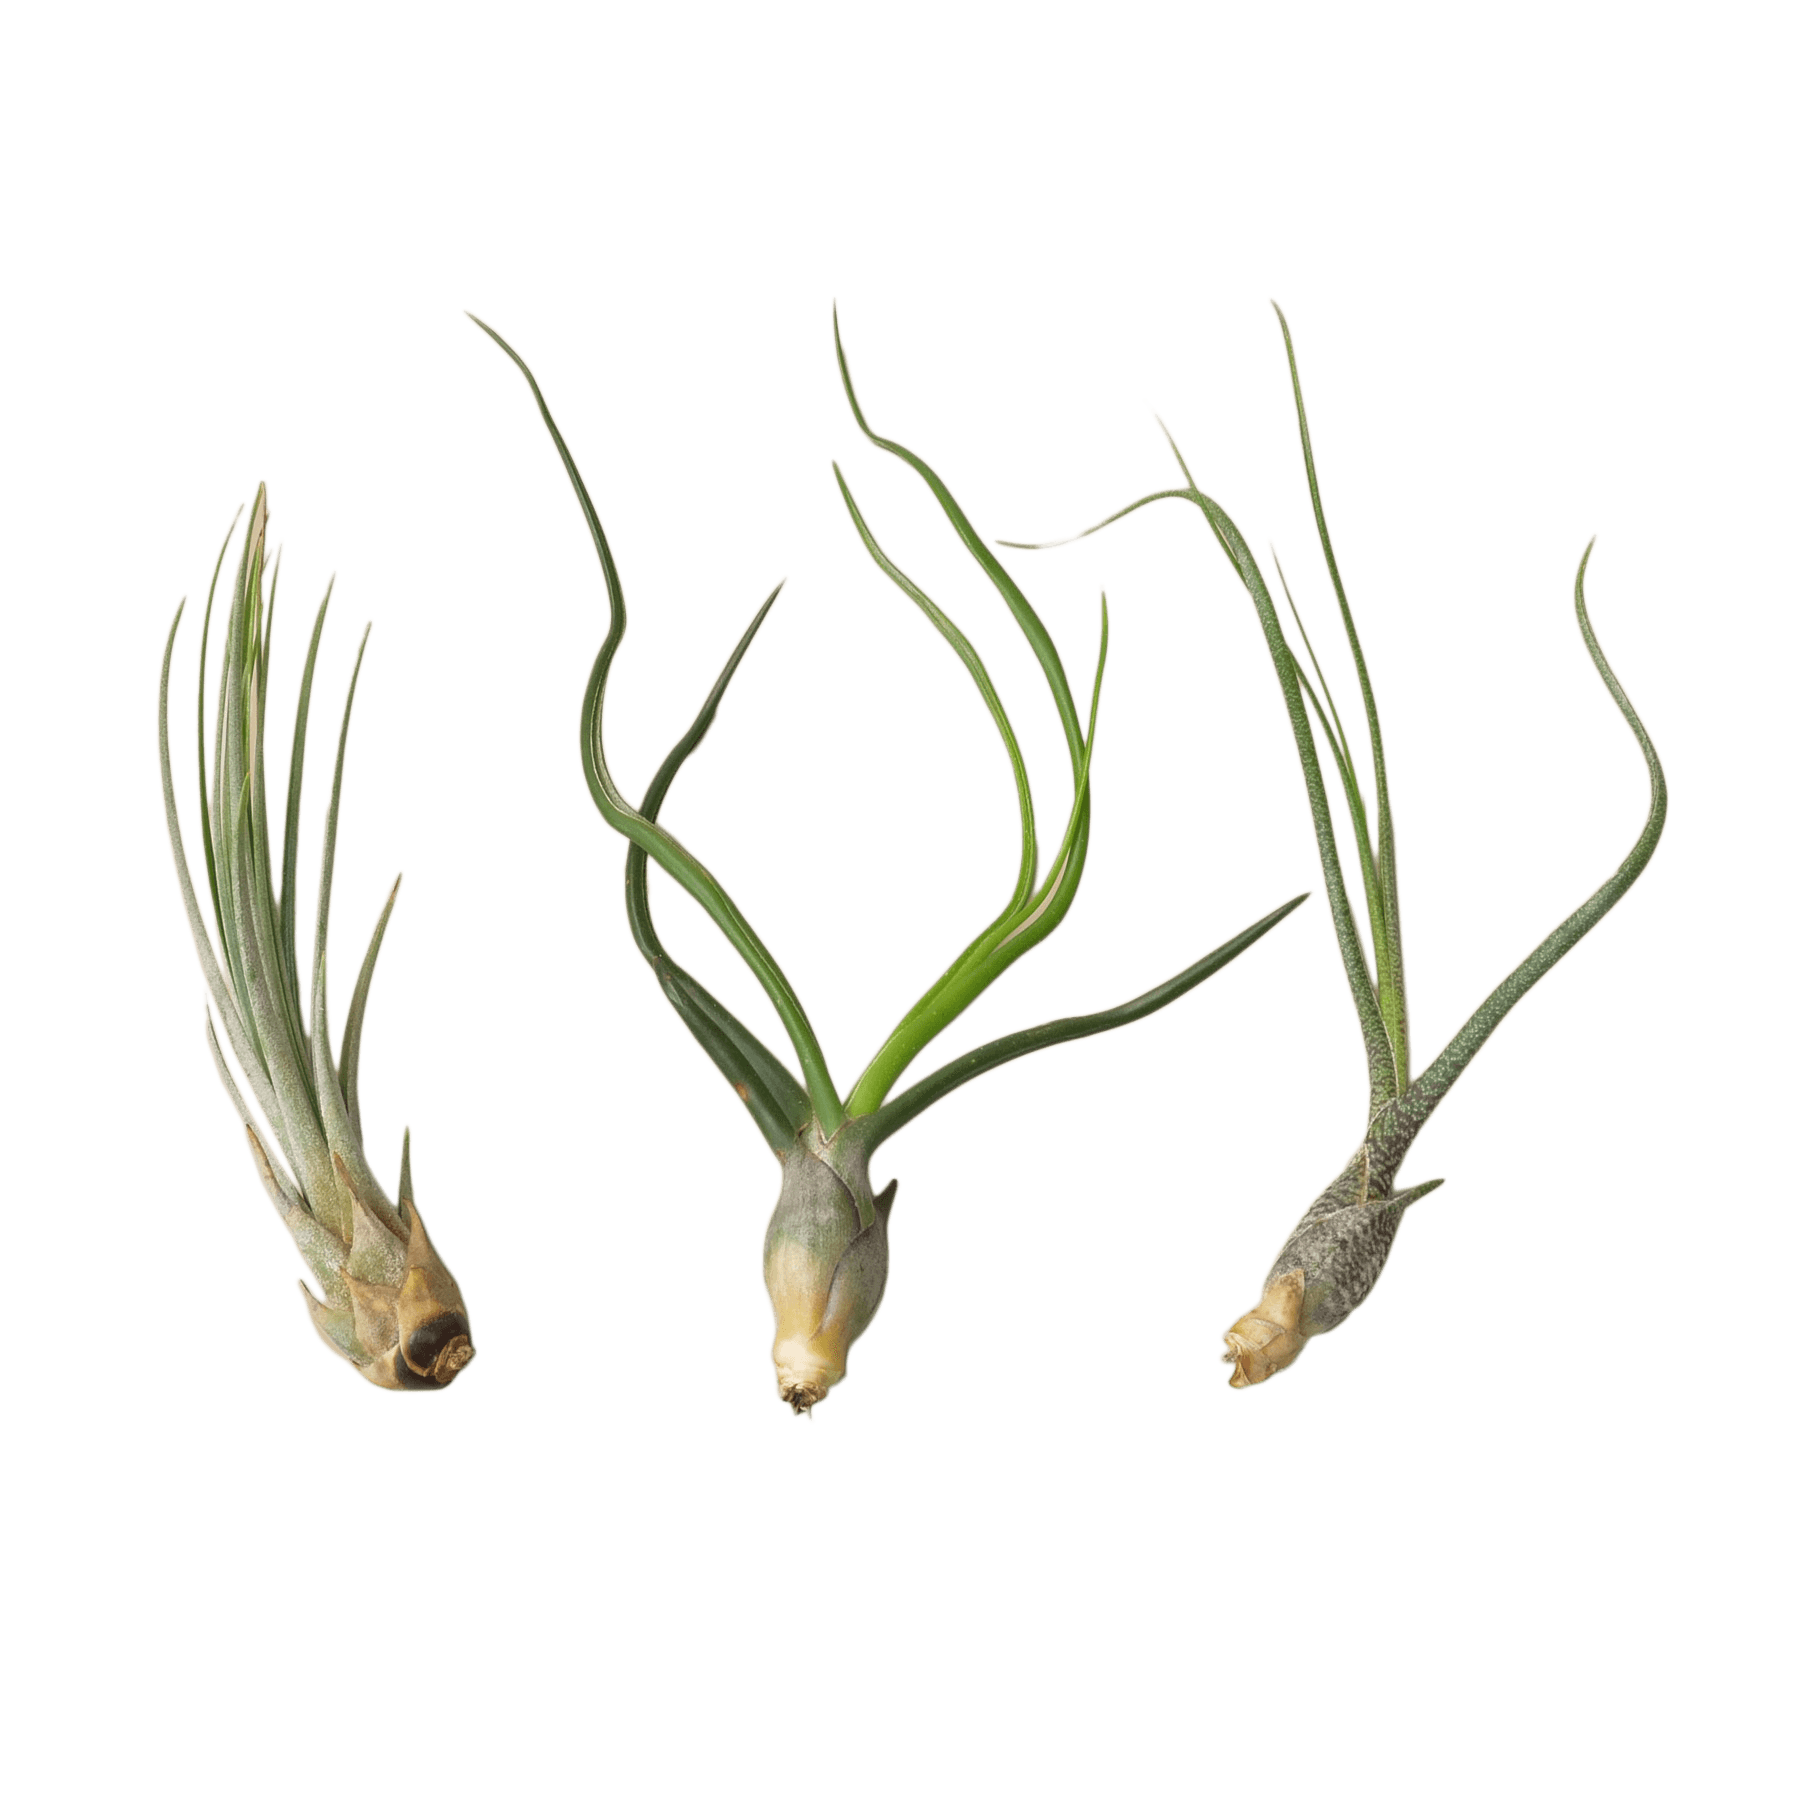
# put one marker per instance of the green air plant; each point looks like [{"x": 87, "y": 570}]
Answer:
[
  {"x": 826, "y": 1252},
  {"x": 1332, "y": 1258},
  {"x": 389, "y": 1305}
]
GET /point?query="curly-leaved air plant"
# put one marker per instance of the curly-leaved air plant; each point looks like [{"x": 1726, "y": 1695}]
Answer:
[
  {"x": 389, "y": 1306},
  {"x": 1332, "y": 1258},
  {"x": 826, "y": 1252}
]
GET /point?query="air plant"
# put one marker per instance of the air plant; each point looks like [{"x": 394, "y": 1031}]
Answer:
[
  {"x": 388, "y": 1305},
  {"x": 1332, "y": 1258},
  {"x": 825, "y": 1255}
]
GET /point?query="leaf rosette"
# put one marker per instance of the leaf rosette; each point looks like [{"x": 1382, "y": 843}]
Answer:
[{"x": 386, "y": 1302}]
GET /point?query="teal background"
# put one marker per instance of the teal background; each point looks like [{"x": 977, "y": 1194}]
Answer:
[{"x": 1538, "y": 266}]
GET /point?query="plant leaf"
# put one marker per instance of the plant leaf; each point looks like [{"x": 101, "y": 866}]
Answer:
[
  {"x": 906, "y": 1106},
  {"x": 686, "y": 868},
  {"x": 1424, "y": 1094},
  {"x": 777, "y": 1102}
]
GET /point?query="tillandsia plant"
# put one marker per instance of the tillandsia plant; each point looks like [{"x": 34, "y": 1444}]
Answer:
[
  {"x": 825, "y": 1255},
  {"x": 389, "y": 1306},
  {"x": 1332, "y": 1258}
]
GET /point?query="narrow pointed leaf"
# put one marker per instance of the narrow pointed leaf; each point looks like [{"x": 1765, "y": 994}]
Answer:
[
  {"x": 350, "y": 1058},
  {"x": 1408, "y": 1196},
  {"x": 212, "y": 879},
  {"x": 1021, "y": 608},
  {"x": 906, "y": 1106},
  {"x": 1339, "y": 741},
  {"x": 971, "y": 661},
  {"x": 1037, "y": 916},
  {"x": 1377, "y": 1048},
  {"x": 1110, "y": 519},
  {"x": 1425, "y": 1093},
  {"x": 1335, "y": 728},
  {"x": 290, "y": 860},
  {"x": 1388, "y": 955},
  {"x": 224, "y": 1000},
  {"x": 281, "y": 1185},
  {"x": 343, "y": 1139},
  {"x": 1097, "y": 681},
  {"x": 405, "y": 1189},
  {"x": 777, "y": 1102},
  {"x": 952, "y": 992},
  {"x": 265, "y": 909},
  {"x": 686, "y": 868}
]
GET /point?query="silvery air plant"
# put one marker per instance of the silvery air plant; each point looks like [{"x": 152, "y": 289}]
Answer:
[
  {"x": 825, "y": 1255},
  {"x": 386, "y": 1304},
  {"x": 1331, "y": 1259}
]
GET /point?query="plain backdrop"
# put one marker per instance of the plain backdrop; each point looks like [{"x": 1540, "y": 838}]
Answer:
[{"x": 1522, "y": 1524}]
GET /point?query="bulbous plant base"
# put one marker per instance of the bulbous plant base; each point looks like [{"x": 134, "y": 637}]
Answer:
[
  {"x": 1333, "y": 1257},
  {"x": 1268, "y": 1337},
  {"x": 802, "y": 1380},
  {"x": 825, "y": 1260},
  {"x": 402, "y": 1322}
]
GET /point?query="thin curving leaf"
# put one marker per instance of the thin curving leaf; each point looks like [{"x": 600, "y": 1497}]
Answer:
[
  {"x": 1377, "y": 1048},
  {"x": 1052, "y": 901},
  {"x": 327, "y": 867},
  {"x": 249, "y": 913},
  {"x": 1000, "y": 946},
  {"x": 343, "y": 1140},
  {"x": 1391, "y": 964},
  {"x": 906, "y": 1106},
  {"x": 1424, "y": 1094},
  {"x": 227, "y": 781},
  {"x": 950, "y": 994},
  {"x": 212, "y": 879},
  {"x": 265, "y": 909},
  {"x": 290, "y": 860},
  {"x": 745, "y": 1063},
  {"x": 971, "y": 661},
  {"x": 1352, "y": 788},
  {"x": 350, "y": 1057},
  {"x": 1036, "y": 916},
  {"x": 1058, "y": 892},
  {"x": 281, "y": 1185},
  {"x": 222, "y": 997},
  {"x": 1097, "y": 681},
  {"x": 1346, "y": 768},
  {"x": 1110, "y": 519},
  {"x": 1021, "y": 608},
  {"x": 776, "y": 1101},
  {"x": 265, "y": 656},
  {"x": 686, "y": 868}
]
